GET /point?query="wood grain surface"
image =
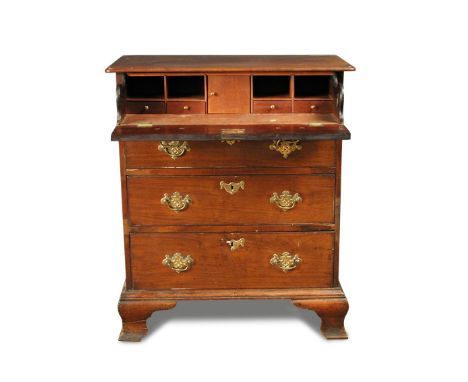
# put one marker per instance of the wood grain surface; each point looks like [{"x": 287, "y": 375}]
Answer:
[
  {"x": 220, "y": 64},
  {"x": 214, "y": 206},
  {"x": 216, "y": 266},
  {"x": 218, "y": 154}
]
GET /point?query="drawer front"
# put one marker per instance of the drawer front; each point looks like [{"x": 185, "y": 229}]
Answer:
[
  {"x": 221, "y": 200},
  {"x": 313, "y": 107},
  {"x": 262, "y": 107},
  {"x": 213, "y": 263},
  {"x": 185, "y": 107},
  {"x": 238, "y": 154},
  {"x": 145, "y": 108}
]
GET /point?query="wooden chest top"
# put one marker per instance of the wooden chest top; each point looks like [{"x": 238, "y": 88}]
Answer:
[{"x": 219, "y": 64}]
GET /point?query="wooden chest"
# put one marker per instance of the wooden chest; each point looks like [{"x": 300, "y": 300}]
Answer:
[{"x": 230, "y": 173}]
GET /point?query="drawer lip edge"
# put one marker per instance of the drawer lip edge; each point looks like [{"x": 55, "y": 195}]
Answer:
[
  {"x": 248, "y": 228},
  {"x": 149, "y": 133},
  {"x": 233, "y": 294}
]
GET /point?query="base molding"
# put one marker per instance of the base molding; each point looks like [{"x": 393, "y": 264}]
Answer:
[{"x": 136, "y": 306}]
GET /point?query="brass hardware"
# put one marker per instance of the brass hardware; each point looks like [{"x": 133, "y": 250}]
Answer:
[
  {"x": 231, "y": 132},
  {"x": 143, "y": 124},
  {"x": 272, "y": 107},
  {"x": 176, "y": 202},
  {"x": 313, "y": 107},
  {"x": 231, "y": 142},
  {"x": 178, "y": 262},
  {"x": 146, "y": 108},
  {"x": 235, "y": 244},
  {"x": 285, "y": 201},
  {"x": 231, "y": 187},
  {"x": 212, "y": 93},
  {"x": 285, "y": 261},
  {"x": 174, "y": 149},
  {"x": 186, "y": 107},
  {"x": 285, "y": 147}
]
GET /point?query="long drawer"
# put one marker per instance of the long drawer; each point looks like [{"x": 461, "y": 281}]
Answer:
[
  {"x": 230, "y": 154},
  {"x": 208, "y": 260},
  {"x": 224, "y": 200}
]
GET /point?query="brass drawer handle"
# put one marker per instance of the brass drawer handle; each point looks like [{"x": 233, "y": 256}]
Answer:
[
  {"x": 285, "y": 261},
  {"x": 176, "y": 202},
  {"x": 231, "y": 187},
  {"x": 174, "y": 149},
  {"x": 235, "y": 244},
  {"x": 178, "y": 262},
  {"x": 186, "y": 107},
  {"x": 145, "y": 108},
  {"x": 285, "y": 200},
  {"x": 285, "y": 147},
  {"x": 272, "y": 107}
]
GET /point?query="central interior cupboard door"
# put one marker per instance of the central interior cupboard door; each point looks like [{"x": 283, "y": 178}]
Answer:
[{"x": 228, "y": 94}]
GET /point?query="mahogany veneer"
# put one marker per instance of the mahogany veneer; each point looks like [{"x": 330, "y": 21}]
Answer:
[{"x": 231, "y": 179}]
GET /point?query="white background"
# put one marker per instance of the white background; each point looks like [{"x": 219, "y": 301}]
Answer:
[{"x": 404, "y": 253}]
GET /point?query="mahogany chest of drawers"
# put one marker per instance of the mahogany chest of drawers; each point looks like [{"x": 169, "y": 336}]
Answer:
[{"x": 230, "y": 174}]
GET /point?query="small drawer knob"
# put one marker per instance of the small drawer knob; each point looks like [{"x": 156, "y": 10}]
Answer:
[
  {"x": 272, "y": 107},
  {"x": 186, "y": 107},
  {"x": 145, "y": 108},
  {"x": 313, "y": 107},
  {"x": 213, "y": 94}
]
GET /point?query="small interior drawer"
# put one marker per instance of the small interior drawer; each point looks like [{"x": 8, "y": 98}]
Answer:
[
  {"x": 312, "y": 106},
  {"x": 272, "y": 106},
  {"x": 185, "y": 107},
  {"x": 145, "y": 108}
]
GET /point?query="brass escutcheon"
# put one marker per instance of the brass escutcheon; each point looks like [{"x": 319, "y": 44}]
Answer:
[
  {"x": 285, "y": 261},
  {"x": 285, "y": 147},
  {"x": 178, "y": 262},
  {"x": 235, "y": 244},
  {"x": 231, "y": 187},
  {"x": 285, "y": 200},
  {"x": 175, "y": 201},
  {"x": 174, "y": 149},
  {"x": 230, "y": 142}
]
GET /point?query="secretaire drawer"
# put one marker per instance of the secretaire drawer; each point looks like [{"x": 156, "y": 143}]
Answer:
[
  {"x": 313, "y": 106},
  {"x": 145, "y": 107},
  {"x": 230, "y": 154},
  {"x": 221, "y": 200},
  {"x": 185, "y": 107},
  {"x": 232, "y": 260},
  {"x": 272, "y": 106}
]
